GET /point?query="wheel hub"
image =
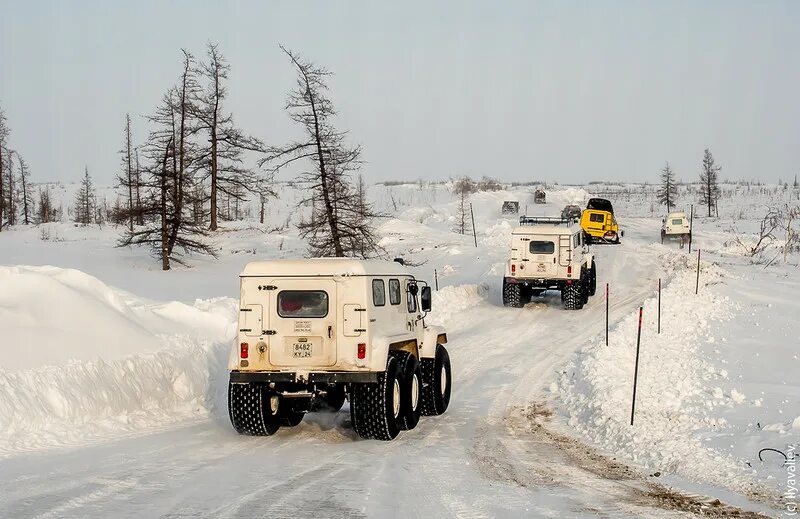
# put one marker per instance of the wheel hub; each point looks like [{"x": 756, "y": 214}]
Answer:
[
  {"x": 396, "y": 399},
  {"x": 414, "y": 392}
]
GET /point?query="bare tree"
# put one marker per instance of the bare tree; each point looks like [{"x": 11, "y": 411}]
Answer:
[
  {"x": 45, "y": 211},
  {"x": 168, "y": 202},
  {"x": 128, "y": 178},
  {"x": 137, "y": 173},
  {"x": 84, "y": 205},
  {"x": 4, "y": 134},
  {"x": 264, "y": 191},
  {"x": 25, "y": 193},
  {"x": 226, "y": 143},
  {"x": 462, "y": 188},
  {"x": 339, "y": 225},
  {"x": 667, "y": 193},
  {"x": 12, "y": 196},
  {"x": 709, "y": 182}
]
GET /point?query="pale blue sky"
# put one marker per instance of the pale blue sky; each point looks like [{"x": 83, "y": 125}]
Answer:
[{"x": 564, "y": 91}]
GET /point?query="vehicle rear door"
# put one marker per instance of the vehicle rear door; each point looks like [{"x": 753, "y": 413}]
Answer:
[
  {"x": 302, "y": 322},
  {"x": 542, "y": 254}
]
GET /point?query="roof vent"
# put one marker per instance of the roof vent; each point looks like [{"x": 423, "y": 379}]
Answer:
[{"x": 400, "y": 261}]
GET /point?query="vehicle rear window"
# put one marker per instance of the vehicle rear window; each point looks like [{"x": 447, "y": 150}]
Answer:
[
  {"x": 677, "y": 221},
  {"x": 597, "y": 217},
  {"x": 542, "y": 247},
  {"x": 378, "y": 292},
  {"x": 302, "y": 303},
  {"x": 394, "y": 291}
]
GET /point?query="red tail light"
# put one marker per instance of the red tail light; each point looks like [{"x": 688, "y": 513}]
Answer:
[
  {"x": 569, "y": 270},
  {"x": 244, "y": 350},
  {"x": 513, "y": 268},
  {"x": 362, "y": 350}
]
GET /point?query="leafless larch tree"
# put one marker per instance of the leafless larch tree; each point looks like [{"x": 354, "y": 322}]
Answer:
[
  {"x": 223, "y": 155},
  {"x": 667, "y": 193},
  {"x": 171, "y": 168},
  {"x": 4, "y": 135},
  {"x": 341, "y": 220},
  {"x": 129, "y": 181},
  {"x": 709, "y": 182},
  {"x": 83, "y": 208}
]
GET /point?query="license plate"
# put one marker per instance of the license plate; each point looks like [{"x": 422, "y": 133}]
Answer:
[
  {"x": 540, "y": 267},
  {"x": 302, "y": 350}
]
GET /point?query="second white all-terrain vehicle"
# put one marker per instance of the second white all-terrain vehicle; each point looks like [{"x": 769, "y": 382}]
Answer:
[
  {"x": 676, "y": 226},
  {"x": 549, "y": 254},
  {"x": 313, "y": 332}
]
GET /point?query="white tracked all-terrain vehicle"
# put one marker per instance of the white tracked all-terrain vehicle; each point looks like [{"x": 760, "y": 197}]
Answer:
[
  {"x": 549, "y": 254},
  {"x": 313, "y": 332}
]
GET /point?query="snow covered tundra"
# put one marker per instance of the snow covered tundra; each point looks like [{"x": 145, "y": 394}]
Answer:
[{"x": 114, "y": 375}]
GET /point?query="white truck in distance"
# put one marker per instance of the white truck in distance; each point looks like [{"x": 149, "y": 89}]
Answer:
[
  {"x": 314, "y": 331},
  {"x": 676, "y": 226},
  {"x": 549, "y": 254}
]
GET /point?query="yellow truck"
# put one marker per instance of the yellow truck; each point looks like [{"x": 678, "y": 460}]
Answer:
[{"x": 598, "y": 222}]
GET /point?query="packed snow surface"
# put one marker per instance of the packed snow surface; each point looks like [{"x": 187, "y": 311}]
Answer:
[{"x": 113, "y": 376}]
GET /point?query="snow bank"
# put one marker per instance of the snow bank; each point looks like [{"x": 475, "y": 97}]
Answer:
[
  {"x": 80, "y": 359},
  {"x": 675, "y": 396},
  {"x": 50, "y": 315}
]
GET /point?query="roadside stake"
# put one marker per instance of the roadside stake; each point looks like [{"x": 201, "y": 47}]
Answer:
[
  {"x": 697, "y": 283},
  {"x": 472, "y": 215},
  {"x": 436, "y": 279},
  {"x": 606, "y": 314},
  {"x": 659, "y": 306},
  {"x": 691, "y": 227},
  {"x": 636, "y": 369}
]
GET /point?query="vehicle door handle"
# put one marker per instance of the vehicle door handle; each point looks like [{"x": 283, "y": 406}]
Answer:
[
  {"x": 554, "y": 260},
  {"x": 330, "y": 329}
]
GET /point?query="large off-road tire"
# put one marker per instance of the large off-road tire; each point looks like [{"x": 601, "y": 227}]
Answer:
[
  {"x": 331, "y": 402},
  {"x": 584, "y": 282},
  {"x": 375, "y": 407},
  {"x": 410, "y": 388},
  {"x": 437, "y": 383},
  {"x": 512, "y": 295},
  {"x": 572, "y": 296},
  {"x": 592, "y": 279},
  {"x": 252, "y": 409}
]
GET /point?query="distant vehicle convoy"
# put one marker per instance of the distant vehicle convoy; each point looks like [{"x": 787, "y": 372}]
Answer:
[
  {"x": 510, "y": 207},
  {"x": 571, "y": 211},
  {"x": 598, "y": 222},
  {"x": 676, "y": 226},
  {"x": 549, "y": 254},
  {"x": 313, "y": 332}
]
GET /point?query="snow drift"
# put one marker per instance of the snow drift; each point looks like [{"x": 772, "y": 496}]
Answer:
[
  {"x": 673, "y": 398},
  {"x": 80, "y": 358}
]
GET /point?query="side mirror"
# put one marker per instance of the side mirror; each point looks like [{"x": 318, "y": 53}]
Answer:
[
  {"x": 622, "y": 233},
  {"x": 425, "y": 299}
]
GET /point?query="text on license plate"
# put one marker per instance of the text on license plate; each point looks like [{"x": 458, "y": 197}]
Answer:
[
  {"x": 302, "y": 350},
  {"x": 540, "y": 267}
]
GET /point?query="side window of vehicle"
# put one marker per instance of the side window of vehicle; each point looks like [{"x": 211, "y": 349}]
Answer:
[
  {"x": 378, "y": 292},
  {"x": 394, "y": 291},
  {"x": 412, "y": 302}
]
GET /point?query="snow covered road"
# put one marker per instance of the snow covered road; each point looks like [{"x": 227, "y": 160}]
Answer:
[
  {"x": 162, "y": 445},
  {"x": 475, "y": 461}
]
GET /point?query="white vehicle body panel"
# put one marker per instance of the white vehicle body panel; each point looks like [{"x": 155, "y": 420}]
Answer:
[{"x": 278, "y": 340}]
